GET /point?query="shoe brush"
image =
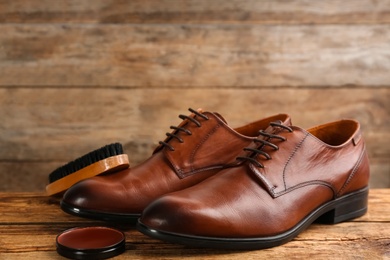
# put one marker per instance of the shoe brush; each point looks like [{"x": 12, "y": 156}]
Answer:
[{"x": 107, "y": 159}]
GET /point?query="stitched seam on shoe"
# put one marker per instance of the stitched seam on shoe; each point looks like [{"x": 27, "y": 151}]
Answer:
[
  {"x": 192, "y": 171},
  {"x": 354, "y": 170},
  {"x": 192, "y": 156},
  {"x": 265, "y": 181},
  {"x": 290, "y": 157},
  {"x": 304, "y": 184},
  {"x": 182, "y": 174},
  {"x": 177, "y": 169}
]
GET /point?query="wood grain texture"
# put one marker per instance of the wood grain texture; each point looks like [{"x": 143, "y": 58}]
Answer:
[
  {"x": 76, "y": 75},
  {"x": 196, "y": 11},
  {"x": 183, "y": 56},
  {"x": 60, "y": 124},
  {"x": 31, "y": 235},
  {"x": 47, "y": 128},
  {"x": 353, "y": 241}
]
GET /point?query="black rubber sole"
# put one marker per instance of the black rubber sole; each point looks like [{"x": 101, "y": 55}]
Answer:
[
  {"x": 98, "y": 215},
  {"x": 341, "y": 209}
]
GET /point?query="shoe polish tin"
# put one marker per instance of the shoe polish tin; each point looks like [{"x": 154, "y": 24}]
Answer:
[{"x": 90, "y": 243}]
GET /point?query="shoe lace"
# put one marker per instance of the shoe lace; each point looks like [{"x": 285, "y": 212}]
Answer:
[
  {"x": 183, "y": 129},
  {"x": 263, "y": 143}
]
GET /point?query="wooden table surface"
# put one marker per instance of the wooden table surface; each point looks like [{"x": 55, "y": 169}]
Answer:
[{"x": 29, "y": 223}]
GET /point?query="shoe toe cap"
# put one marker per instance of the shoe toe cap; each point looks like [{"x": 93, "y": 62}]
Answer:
[
  {"x": 181, "y": 216},
  {"x": 93, "y": 194}
]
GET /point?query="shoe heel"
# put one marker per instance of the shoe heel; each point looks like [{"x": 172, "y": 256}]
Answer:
[{"x": 351, "y": 206}]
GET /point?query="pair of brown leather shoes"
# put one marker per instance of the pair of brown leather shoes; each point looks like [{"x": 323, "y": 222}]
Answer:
[{"x": 257, "y": 186}]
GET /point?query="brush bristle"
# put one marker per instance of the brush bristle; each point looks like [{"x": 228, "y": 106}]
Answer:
[{"x": 85, "y": 160}]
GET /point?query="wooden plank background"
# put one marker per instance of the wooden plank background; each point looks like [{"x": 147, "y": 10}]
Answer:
[{"x": 76, "y": 75}]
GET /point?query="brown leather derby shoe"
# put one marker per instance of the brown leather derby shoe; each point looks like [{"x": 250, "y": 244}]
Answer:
[
  {"x": 198, "y": 148},
  {"x": 289, "y": 178}
]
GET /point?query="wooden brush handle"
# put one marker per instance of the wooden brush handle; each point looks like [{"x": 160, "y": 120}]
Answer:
[{"x": 108, "y": 165}]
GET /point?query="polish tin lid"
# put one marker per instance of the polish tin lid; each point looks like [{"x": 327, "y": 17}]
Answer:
[{"x": 90, "y": 243}]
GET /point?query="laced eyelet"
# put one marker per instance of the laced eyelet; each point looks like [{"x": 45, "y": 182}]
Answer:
[
  {"x": 198, "y": 114},
  {"x": 183, "y": 129},
  {"x": 259, "y": 150},
  {"x": 170, "y": 147},
  {"x": 279, "y": 124},
  {"x": 252, "y": 160}
]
